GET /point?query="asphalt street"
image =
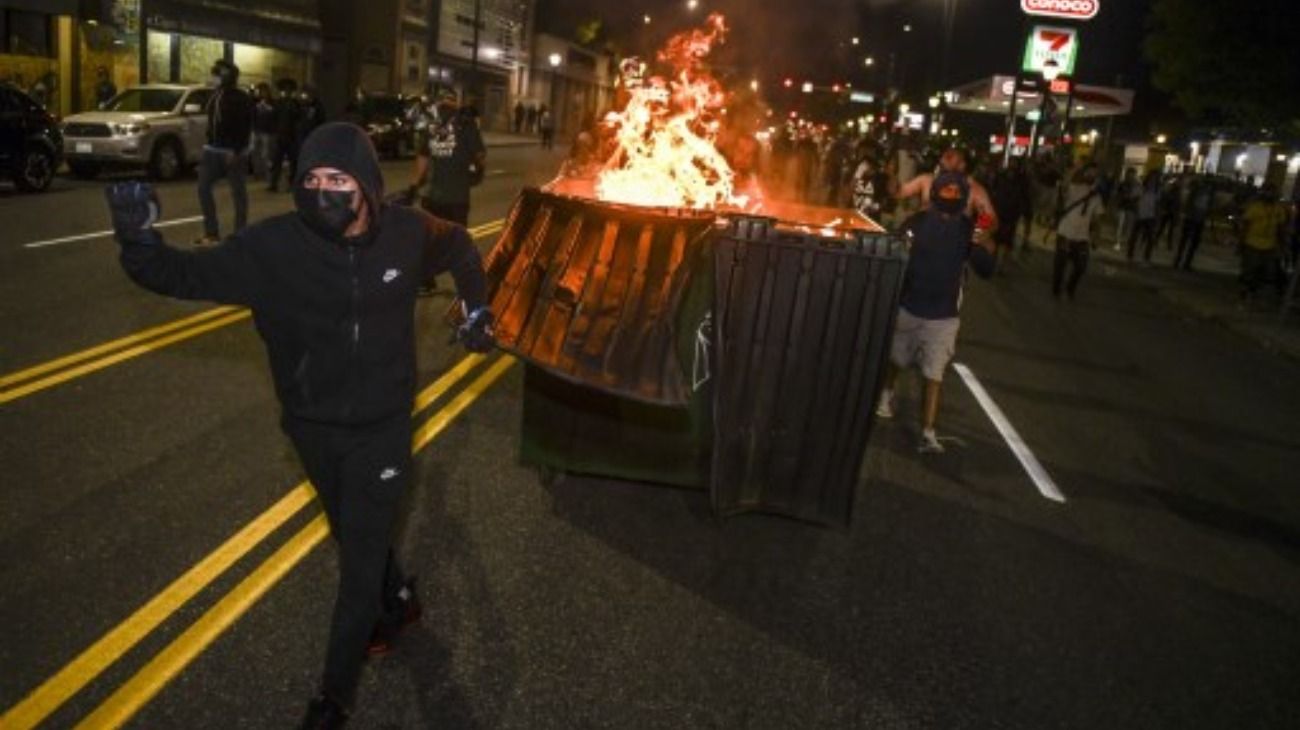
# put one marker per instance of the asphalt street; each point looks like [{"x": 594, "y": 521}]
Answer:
[{"x": 1161, "y": 593}]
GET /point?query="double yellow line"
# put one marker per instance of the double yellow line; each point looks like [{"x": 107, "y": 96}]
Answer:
[
  {"x": 131, "y": 696},
  {"x": 52, "y": 373}
]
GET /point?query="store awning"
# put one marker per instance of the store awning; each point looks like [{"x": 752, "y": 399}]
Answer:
[
  {"x": 49, "y": 7},
  {"x": 993, "y": 96},
  {"x": 292, "y": 25}
]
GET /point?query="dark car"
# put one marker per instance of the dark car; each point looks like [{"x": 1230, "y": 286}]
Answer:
[
  {"x": 31, "y": 146},
  {"x": 387, "y": 120}
]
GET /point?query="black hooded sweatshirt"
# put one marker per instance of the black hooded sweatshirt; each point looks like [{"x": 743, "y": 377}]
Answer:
[{"x": 338, "y": 318}]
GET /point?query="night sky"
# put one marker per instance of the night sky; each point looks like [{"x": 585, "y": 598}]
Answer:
[{"x": 811, "y": 39}]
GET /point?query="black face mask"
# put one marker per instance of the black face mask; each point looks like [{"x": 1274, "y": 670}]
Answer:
[{"x": 328, "y": 212}]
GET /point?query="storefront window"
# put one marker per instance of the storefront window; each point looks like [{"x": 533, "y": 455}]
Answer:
[
  {"x": 197, "y": 56},
  {"x": 24, "y": 33},
  {"x": 160, "y": 57},
  {"x": 258, "y": 64}
]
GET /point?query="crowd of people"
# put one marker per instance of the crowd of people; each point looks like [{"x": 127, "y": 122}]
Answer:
[
  {"x": 966, "y": 211},
  {"x": 1072, "y": 206}
]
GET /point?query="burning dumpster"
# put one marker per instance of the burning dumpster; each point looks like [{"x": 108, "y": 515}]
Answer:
[
  {"x": 678, "y": 327},
  {"x": 721, "y": 351}
]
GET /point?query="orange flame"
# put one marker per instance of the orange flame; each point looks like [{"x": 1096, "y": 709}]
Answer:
[{"x": 666, "y": 153}]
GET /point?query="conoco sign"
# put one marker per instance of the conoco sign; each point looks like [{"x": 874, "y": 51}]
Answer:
[{"x": 1069, "y": 9}]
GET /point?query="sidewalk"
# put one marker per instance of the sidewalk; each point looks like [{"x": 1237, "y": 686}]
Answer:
[
  {"x": 1209, "y": 292},
  {"x": 505, "y": 139}
]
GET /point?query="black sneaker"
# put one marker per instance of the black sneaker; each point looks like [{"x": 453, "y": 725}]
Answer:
[
  {"x": 403, "y": 613},
  {"x": 323, "y": 713}
]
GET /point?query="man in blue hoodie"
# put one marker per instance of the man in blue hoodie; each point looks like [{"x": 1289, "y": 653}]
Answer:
[
  {"x": 944, "y": 241},
  {"x": 332, "y": 287}
]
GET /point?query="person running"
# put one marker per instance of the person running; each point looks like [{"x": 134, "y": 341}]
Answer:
[
  {"x": 230, "y": 127},
  {"x": 943, "y": 243},
  {"x": 332, "y": 288},
  {"x": 1074, "y": 230}
]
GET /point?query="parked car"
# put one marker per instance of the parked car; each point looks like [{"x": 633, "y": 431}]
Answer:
[
  {"x": 161, "y": 127},
  {"x": 31, "y": 148},
  {"x": 388, "y": 121}
]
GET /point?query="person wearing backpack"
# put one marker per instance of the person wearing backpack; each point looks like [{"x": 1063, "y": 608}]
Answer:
[{"x": 1082, "y": 206}]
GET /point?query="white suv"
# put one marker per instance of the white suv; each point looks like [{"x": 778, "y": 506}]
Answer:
[{"x": 160, "y": 126}]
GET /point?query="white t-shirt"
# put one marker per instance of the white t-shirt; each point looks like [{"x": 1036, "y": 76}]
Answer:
[{"x": 1076, "y": 224}]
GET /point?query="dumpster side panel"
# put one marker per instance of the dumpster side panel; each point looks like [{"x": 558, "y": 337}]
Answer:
[
  {"x": 802, "y": 334},
  {"x": 588, "y": 291}
]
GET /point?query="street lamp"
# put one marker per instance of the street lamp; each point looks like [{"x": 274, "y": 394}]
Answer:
[
  {"x": 807, "y": 87},
  {"x": 692, "y": 4},
  {"x": 907, "y": 28},
  {"x": 1161, "y": 139},
  {"x": 934, "y": 102},
  {"x": 904, "y": 108},
  {"x": 555, "y": 60},
  {"x": 753, "y": 85},
  {"x": 646, "y": 18},
  {"x": 855, "y": 40},
  {"x": 868, "y": 61}
]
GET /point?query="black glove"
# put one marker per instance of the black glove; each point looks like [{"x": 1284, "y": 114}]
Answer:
[
  {"x": 134, "y": 207},
  {"x": 476, "y": 333}
]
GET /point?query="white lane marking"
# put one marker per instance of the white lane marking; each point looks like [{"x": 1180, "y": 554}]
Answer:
[
  {"x": 497, "y": 172},
  {"x": 101, "y": 234},
  {"x": 1041, "y": 478}
]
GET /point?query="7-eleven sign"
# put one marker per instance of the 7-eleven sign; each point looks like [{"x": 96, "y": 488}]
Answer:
[{"x": 1055, "y": 44}]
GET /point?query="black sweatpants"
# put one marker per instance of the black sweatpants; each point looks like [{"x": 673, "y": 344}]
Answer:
[
  {"x": 360, "y": 475},
  {"x": 454, "y": 212},
  {"x": 1069, "y": 252}
]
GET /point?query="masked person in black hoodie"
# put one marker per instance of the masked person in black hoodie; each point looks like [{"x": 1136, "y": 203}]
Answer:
[{"x": 332, "y": 288}]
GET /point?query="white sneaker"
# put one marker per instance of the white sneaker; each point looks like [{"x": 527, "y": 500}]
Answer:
[
  {"x": 929, "y": 443},
  {"x": 885, "y": 408}
]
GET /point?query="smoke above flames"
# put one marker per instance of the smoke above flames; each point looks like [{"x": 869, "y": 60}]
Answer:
[{"x": 665, "y": 136}]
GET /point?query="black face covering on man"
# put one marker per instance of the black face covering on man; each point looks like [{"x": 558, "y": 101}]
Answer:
[{"x": 328, "y": 212}]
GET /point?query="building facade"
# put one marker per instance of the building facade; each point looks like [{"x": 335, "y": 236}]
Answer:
[
  {"x": 480, "y": 48},
  {"x": 66, "y": 42},
  {"x": 576, "y": 83}
]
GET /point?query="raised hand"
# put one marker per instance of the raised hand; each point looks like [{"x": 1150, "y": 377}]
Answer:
[{"x": 134, "y": 207}]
